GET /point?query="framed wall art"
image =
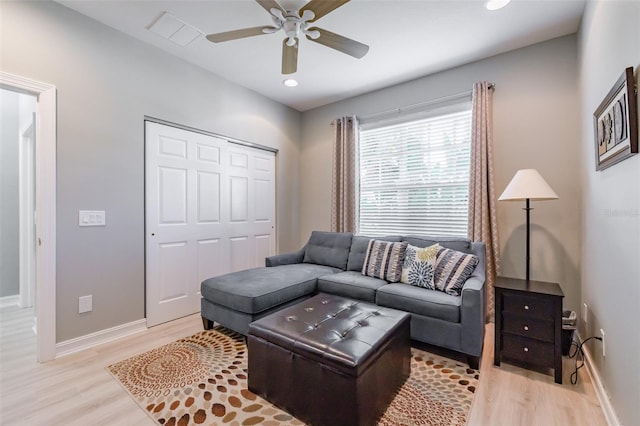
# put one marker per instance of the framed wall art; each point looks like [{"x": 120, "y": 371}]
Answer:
[{"x": 616, "y": 123}]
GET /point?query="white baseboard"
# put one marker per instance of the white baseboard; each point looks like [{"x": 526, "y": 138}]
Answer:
[
  {"x": 601, "y": 393},
  {"x": 99, "y": 337},
  {"x": 6, "y": 301}
]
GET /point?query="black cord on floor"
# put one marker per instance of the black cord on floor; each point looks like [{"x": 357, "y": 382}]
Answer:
[{"x": 574, "y": 375}]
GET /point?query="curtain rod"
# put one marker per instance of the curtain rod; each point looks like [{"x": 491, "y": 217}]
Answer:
[{"x": 421, "y": 104}]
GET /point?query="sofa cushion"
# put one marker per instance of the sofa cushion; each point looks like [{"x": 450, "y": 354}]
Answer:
[
  {"x": 429, "y": 303},
  {"x": 255, "y": 290},
  {"x": 419, "y": 266},
  {"x": 328, "y": 248},
  {"x": 358, "y": 250},
  {"x": 351, "y": 284},
  {"x": 455, "y": 243},
  {"x": 452, "y": 270},
  {"x": 384, "y": 260}
]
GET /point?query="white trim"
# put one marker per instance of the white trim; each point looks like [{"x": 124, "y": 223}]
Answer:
[
  {"x": 601, "y": 392},
  {"x": 81, "y": 343},
  {"x": 46, "y": 207},
  {"x": 6, "y": 301}
]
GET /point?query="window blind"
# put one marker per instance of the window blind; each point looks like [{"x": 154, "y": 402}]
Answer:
[{"x": 414, "y": 176}]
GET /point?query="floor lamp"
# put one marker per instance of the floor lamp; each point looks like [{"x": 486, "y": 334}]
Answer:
[{"x": 528, "y": 185}]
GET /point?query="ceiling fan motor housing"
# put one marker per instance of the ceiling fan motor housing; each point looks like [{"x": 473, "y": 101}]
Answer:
[
  {"x": 291, "y": 28},
  {"x": 293, "y": 24}
]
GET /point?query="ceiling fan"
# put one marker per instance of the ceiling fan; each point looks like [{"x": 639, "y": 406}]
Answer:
[{"x": 294, "y": 23}]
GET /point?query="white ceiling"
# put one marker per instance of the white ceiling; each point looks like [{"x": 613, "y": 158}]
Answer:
[{"x": 407, "y": 39}]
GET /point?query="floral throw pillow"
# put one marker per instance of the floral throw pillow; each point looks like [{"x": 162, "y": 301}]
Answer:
[{"x": 419, "y": 266}]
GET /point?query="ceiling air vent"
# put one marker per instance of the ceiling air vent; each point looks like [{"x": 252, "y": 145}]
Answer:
[{"x": 173, "y": 29}]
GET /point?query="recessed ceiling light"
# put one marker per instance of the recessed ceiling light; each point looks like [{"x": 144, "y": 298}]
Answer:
[
  {"x": 496, "y": 4},
  {"x": 290, "y": 82}
]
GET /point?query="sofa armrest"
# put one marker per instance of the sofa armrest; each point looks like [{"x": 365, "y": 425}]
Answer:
[
  {"x": 285, "y": 258},
  {"x": 472, "y": 316}
]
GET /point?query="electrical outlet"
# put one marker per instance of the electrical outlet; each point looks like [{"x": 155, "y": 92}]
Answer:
[
  {"x": 585, "y": 312},
  {"x": 603, "y": 345},
  {"x": 85, "y": 304}
]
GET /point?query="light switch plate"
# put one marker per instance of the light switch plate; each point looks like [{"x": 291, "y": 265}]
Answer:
[
  {"x": 92, "y": 218},
  {"x": 85, "y": 304}
]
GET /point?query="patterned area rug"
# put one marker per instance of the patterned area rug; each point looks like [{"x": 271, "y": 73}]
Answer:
[{"x": 202, "y": 380}]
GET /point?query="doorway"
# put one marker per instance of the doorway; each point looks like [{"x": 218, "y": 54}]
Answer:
[
  {"x": 39, "y": 228},
  {"x": 17, "y": 208}
]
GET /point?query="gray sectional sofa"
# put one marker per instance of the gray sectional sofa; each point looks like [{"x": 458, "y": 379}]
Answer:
[{"x": 331, "y": 263}]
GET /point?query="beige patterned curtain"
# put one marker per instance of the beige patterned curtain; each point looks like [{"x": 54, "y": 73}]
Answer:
[
  {"x": 344, "y": 188},
  {"x": 483, "y": 221}
]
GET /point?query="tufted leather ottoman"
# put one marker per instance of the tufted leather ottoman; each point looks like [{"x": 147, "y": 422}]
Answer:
[{"x": 330, "y": 360}]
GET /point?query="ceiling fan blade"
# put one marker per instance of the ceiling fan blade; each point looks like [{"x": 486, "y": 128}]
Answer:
[
  {"x": 322, "y": 7},
  {"x": 341, "y": 43},
  {"x": 270, "y": 4},
  {"x": 236, "y": 34},
  {"x": 289, "y": 57}
]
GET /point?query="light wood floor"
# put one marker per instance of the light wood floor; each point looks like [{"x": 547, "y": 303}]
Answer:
[{"x": 78, "y": 390}]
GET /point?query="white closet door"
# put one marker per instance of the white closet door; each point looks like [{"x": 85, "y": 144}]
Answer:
[
  {"x": 251, "y": 205},
  {"x": 210, "y": 210}
]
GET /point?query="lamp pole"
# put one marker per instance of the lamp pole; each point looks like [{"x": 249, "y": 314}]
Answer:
[{"x": 528, "y": 209}]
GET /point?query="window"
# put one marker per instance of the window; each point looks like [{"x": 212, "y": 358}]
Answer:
[{"x": 414, "y": 175}]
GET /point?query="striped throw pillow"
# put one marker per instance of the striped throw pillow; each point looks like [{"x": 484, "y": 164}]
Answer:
[
  {"x": 384, "y": 260},
  {"x": 452, "y": 270}
]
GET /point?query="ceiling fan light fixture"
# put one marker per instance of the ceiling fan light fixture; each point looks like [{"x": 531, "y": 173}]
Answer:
[
  {"x": 496, "y": 4},
  {"x": 278, "y": 14},
  {"x": 290, "y": 82},
  {"x": 307, "y": 15},
  {"x": 312, "y": 34}
]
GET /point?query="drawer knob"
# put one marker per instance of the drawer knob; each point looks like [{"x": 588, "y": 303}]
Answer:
[
  {"x": 526, "y": 349},
  {"x": 526, "y": 328},
  {"x": 526, "y": 307}
]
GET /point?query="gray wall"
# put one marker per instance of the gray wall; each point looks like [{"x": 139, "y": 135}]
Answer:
[
  {"x": 609, "y": 42},
  {"x": 535, "y": 126},
  {"x": 9, "y": 191},
  {"x": 107, "y": 82}
]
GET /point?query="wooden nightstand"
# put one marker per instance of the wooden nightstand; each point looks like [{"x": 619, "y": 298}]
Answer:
[{"x": 529, "y": 323}]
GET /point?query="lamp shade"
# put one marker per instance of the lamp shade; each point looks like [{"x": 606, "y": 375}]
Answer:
[{"x": 528, "y": 183}]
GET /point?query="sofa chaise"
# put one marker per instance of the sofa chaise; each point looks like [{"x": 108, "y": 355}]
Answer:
[{"x": 332, "y": 263}]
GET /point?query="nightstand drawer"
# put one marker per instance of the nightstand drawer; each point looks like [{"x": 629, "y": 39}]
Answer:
[
  {"x": 528, "y": 327},
  {"x": 533, "y": 307},
  {"x": 527, "y": 350}
]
